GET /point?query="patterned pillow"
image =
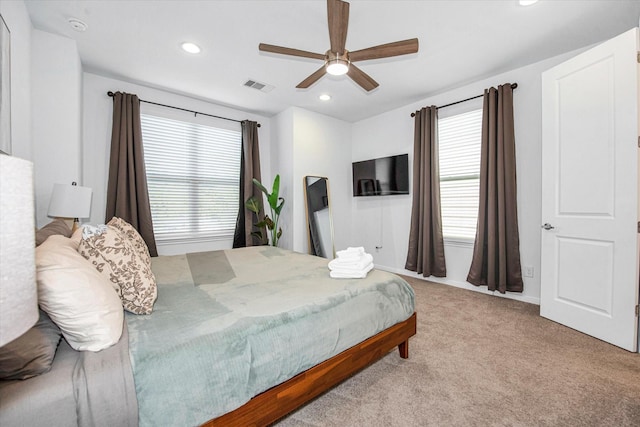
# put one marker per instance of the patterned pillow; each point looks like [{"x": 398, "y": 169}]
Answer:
[
  {"x": 134, "y": 237},
  {"x": 115, "y": 256}
]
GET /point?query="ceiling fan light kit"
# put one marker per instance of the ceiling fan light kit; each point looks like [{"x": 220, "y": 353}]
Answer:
[
  {"x": 337, "y": 65},
  {"x": 339, "y": 61}
]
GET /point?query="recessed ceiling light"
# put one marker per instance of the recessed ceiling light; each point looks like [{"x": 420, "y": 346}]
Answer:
[
  {"x": 324, "y": 97},
  {"x": 77, "y": 24},
  {"x": 190, "y": 47},
  {"x": 527, "y": 2}
]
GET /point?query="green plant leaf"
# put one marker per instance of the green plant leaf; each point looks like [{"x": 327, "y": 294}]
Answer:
[
  {"x": 273, "y": 197},
  {"x": 253, "y": 204},
  {"x": 260, "y": 186},
  {"x": 270, "y": 224},
  {"x": 276, "y": 203},
  {"x": 278, "y": 208}
]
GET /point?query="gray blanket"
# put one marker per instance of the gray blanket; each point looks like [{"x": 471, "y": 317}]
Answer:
[{"x": 82, "y": 388}]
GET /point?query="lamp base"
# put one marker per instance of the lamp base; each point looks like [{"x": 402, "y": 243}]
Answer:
[{"x": 72, "y": 223}]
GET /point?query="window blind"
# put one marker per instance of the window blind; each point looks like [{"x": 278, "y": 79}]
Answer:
[
  {"x": 459, "y": 140},
  {"x": 193, "y": 175}
]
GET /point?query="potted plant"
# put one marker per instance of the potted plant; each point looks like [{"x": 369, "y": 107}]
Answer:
[{"x": 254, "y": 204}]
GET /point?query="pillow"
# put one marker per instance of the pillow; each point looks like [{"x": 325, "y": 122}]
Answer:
[
  {"x": 78, "y": 299},
  {"x": 32, "y": 353},
  {"x": 115, "y": 257},
  {"x": 76, "y": 237},
  {"x": 55, "y": 227},
  {"x": 134, "y": 237}
]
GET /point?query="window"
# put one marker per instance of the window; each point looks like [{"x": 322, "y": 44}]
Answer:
[
  {"x": 459, "y": 153},
  {"x": 193, "y": 175}
]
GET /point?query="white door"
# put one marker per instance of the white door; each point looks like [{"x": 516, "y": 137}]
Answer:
[{"x": 590, "y": 192}]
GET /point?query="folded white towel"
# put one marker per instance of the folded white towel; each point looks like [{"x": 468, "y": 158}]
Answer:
[
  {"x": 351, "y": 252},
  {"x": 351, "y": 263},
  {"x": 356, "y": 264},
  {"x": 359, "y": 271},
  {"x": 351, "y": 258},
  {"x": 336, "y": 274}
]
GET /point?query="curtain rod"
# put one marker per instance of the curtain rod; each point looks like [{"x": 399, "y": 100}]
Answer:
[
  {"x": 184, "y": 109},
  {"x": 513, "y": 86}
]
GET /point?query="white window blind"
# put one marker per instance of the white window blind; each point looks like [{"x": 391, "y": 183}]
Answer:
[
  {"x": 193, "y": 175},
  {"x": 459, "y": 154}
]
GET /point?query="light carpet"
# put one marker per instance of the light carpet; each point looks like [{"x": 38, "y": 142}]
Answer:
[{"x": 479, "y": 360}]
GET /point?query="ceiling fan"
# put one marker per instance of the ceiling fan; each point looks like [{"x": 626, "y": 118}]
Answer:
[{"x": 338, "y": 60}]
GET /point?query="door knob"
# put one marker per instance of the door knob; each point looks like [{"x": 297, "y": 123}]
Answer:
[{"x": 547, "y": 226}]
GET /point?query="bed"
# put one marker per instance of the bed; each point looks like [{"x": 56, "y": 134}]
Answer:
[{"x": 237, "y": 337}]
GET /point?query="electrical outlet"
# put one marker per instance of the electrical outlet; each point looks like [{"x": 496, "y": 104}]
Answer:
[{"x": 527, "y": 271}]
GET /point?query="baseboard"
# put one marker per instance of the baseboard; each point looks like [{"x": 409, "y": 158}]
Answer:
[{"x": 463, "y": 285}]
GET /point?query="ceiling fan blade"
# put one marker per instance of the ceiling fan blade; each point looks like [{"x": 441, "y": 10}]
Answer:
[
  {"x": 362, "y": 78},
  {"x": 288, "y": 51},
  {"x": 403, "y": 47},
  {"x": 312, "y": 78},
  {"x": 338, "y": 14}
]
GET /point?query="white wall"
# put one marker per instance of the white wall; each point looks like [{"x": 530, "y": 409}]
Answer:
[
  {"x": 321, "y": 147},
  {"x": 282, "y": 164},
  {"x": 384, "y": 221},
  {"x": 45, "y": 104},
  {"x": 97, "y": 122},
  {"x": 56, "y": 88},
  {"x": 17, "y": 19},
  {"x": 312, "y": 144}
]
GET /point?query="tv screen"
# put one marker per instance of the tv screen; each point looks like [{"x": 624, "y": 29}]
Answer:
[{"x": 381, "y": 177}]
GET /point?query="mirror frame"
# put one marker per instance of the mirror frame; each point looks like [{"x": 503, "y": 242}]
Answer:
[{"x": 306, "y": 208}]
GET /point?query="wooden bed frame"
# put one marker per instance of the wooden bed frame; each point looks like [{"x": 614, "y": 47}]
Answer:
[{"x": 275, "y": 403}]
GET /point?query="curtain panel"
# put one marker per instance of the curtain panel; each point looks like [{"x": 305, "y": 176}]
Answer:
[
  {"x": 426, "y": 244},
  {"x": 496, "y": 252},
  {"x": 249, "y": 169},
  {"x": 127, "y": 193}
]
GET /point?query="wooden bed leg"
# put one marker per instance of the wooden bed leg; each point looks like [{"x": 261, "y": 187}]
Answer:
[{"x": 404, "y": 349}]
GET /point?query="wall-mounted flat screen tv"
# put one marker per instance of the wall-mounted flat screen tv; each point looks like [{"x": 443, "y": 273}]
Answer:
[{"x": 381, "y": 177}]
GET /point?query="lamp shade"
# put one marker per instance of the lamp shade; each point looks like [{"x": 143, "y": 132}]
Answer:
[
  {"x": 18, "y": 291},
  {"x": 70, "y": 201}
]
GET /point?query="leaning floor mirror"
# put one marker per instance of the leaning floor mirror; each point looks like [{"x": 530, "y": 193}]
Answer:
[{"x": 319, "y": 221}]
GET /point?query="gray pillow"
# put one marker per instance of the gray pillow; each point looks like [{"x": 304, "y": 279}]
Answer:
[
  {"x": 32, "y": 353},
  {"x": 57, "y": 226}
]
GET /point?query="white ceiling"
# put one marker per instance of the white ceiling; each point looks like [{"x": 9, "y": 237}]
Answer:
[{"x": 460, "y": 42}]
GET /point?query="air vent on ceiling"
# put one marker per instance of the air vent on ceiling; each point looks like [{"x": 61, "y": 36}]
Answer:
[{"x": 262, "y": 87}]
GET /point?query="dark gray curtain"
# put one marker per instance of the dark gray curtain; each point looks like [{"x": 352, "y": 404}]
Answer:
[
  {"x": 426, "y": 245},
  {"x": 249, "y": 169},
  {"x": 127, "y": 194},
  {"x": 496, "y": 253}
]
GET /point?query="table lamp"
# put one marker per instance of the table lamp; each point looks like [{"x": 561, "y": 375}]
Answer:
[{"x": 70, "y": 201}]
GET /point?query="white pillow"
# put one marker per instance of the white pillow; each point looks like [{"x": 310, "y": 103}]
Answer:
[{"x": 78, "y": 298}]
